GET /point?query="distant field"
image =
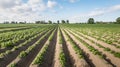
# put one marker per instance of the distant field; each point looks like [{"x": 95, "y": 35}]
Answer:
[{"x": 63, "y": 45}]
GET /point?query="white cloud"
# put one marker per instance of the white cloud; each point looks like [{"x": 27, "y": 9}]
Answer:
[
  {"x": 35, "y": 1},
  {"x": 95, "y": 13},
  {"x": 103, "y": 11},
  {"x": 114, "y": 8},
  {"x": 19, "y": 10},
  {"x": 22, "y": 9},
  {"x": 9, "y": 3},
  {"x": 51, "y": 4},
  {"x": 34, "y": 9}
]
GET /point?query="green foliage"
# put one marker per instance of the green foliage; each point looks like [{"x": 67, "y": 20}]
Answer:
[
  {"x": 62, "y": 59},
  {"x": 13, "y": 65},
  {"x": 91, "y": 21},
  {"x": 6, "y": 44},
  {"x": 8, "y": 52},
  {"x": 51, "y": 37},
  {"x": 107, "y": 49},
  {"x": 75, "y": 47},
  {"x": 108, "y": 41},
  {"x": 40, "y": 57},
  {"x": 58, "y": 21},
  {"x": 63, "y": 21},
  {"x": 2, "y": 55},
  {"x": 67, "y": 21},
  {"x": 22, "y": 54},
  {"x": 60, "y": 38},
  {"x": 91, "y": 48},
  {"x": 117, "y": 54},
  {"x": 118, "y": 20},
  {"x": 50, "y": 22},
  {"x": 15, "y": 48}
]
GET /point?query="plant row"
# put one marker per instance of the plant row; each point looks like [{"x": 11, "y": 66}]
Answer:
[
  {"x": 116, "y": 54},
  {"x": 23, "y": 54},
  {"x": 40, "y": 57}
]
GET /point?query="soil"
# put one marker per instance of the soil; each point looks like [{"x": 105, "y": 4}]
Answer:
[
  {"x": 49, "y": 55},
  {"x": 110, "y": 57},
  {"x": 56, "y": 62},
  {"x": 94, "y": 59},
  {"x": 77, "y": 62},
  {"x": 10, "y": 57},
  {"x": 25, "y": 62}
]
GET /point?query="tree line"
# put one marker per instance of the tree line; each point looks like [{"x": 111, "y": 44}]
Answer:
[
  {"x": 90, "y": 21},
  {"x": 39, "y": 22},
  {"x": 14, "y": 22},
  {"x": 51, "y": 22}
]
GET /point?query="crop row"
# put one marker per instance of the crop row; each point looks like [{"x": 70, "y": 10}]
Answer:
[
  {"x": 62, "y": 56},
  {"x": 91, "y": 48},
  {"x": 40, "y": 57},
  {"x": 10, "y": 38},
  {"x": 2, "y": 55},
  {"x": 116, "y": 54},
  {"x": 75, "y": 47},
  {"x": 23, "y": 54}
]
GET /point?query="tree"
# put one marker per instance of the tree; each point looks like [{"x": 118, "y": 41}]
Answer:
[
  {"x": 118, "y": 20},
  {"x": 40, "y": 22},
  {"x": 63, "y": 21},
  {"x": 91, "y": 21},
  {"x": 67, "y": 21},
  {"x": 23, "y": 22},
  {"x": 58, "y": 21},
  {"x": 50, "y": 22},
  {"x": 13, "y": 22},
  {"x": 37, "y": 22},
  {"x": 6, "y": 22}
]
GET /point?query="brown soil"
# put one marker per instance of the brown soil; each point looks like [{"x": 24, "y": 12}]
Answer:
[
  {"x": 49, "y": 55},
  {"x": 10, "y": 57},
  {"x": 74, "y": 57},
  {"x": 56, "y": 62},
  {"x": 9, "y": 30},
  {"x": 94, "y": 59},
  {"x": 101, "y": 43},
  {"x": 110, "y": 57},
  {"x": 66, "y": 52},
  {"x": 16, "y": 44},
  {"x": 25, "y": 62}
]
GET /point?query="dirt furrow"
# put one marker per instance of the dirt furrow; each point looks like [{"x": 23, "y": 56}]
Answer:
[
  {"x": 66, "y": 52},
  {"x": 91, "y": 56},
  {"x": 18, "y": 43},
  {"x": 77, "y": 62},
  {"x": 101, "y": 42},
  {"x": 110, "y": 57},
  {"x": 56, "y": 62},
  {"x": 25, "y": 62},
  {"x": 4, "y": 31},
  {"x": 49, "y": 55},
  {"x": 9, "y": 58}
]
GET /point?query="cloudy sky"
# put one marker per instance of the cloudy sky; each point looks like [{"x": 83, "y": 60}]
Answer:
[{"x": 73, "y": 10}]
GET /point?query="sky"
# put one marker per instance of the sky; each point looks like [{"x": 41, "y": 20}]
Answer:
[{"x": 72, "y": 10}]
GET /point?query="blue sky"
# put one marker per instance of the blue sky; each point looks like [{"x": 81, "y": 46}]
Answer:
[{"x": 73, "y": 10}]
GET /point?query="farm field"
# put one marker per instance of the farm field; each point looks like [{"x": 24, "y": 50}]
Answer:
[{"x": 59, "y": 45}]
